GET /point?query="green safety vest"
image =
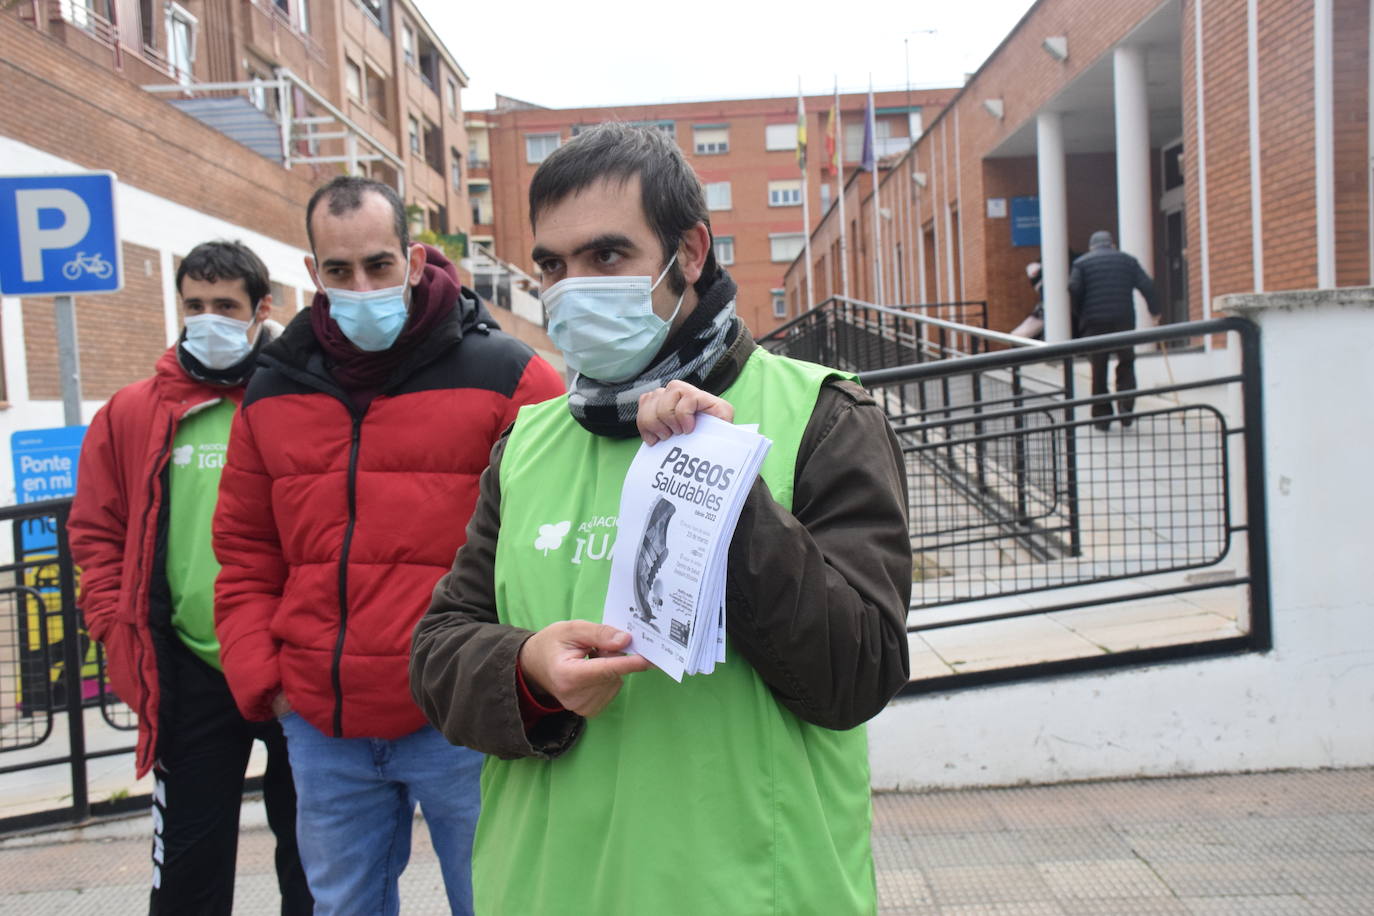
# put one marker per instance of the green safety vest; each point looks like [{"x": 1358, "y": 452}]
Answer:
[{"x": 701, "y": 797}]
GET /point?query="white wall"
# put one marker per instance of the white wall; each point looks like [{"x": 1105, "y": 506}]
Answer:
[
  {"x": 143, "y": 219},
  {"x": 1307, "y": 703}
]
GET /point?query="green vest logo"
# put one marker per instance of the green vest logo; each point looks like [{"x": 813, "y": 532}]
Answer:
[
  {"x": 551, "y": 536},
  {"x": 590, "y": 544}
]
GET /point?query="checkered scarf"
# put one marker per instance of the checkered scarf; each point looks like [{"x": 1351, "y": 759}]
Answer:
[{"x": 609, "y": 408}]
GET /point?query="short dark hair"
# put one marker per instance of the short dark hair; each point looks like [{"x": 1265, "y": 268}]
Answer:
[
  {"x": 669, "y": 191},
  {"x": 225, "y": 260},
  {"x": 345, "y": 194}
]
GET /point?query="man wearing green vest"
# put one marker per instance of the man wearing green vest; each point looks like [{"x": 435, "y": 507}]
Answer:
[
  {"x": 140, "y": 531},
  {"x": 611, "y": 788}
]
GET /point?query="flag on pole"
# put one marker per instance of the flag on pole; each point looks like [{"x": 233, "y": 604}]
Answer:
[
  {"x": 801, "y": 130},
  {"x": 868, "y": 161},
  {"x": 830, "y": 156}
]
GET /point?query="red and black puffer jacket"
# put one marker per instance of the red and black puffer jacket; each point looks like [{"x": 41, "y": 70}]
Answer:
[
  {"x": 335, "y": 522},
  {"x": 113, "y": 530}
]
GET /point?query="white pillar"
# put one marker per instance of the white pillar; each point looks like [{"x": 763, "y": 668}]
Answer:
[
  {"x": 1325, "y": 144},
  {"x": 1054, "y": 224},
  {"x": 1135, "y": 221}
]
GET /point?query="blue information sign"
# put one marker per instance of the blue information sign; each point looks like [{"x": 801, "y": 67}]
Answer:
[
  {"x": 44, "y": 468},
  {"x": 1025, "y": 222},
  {"x": 58, "y": 235}
]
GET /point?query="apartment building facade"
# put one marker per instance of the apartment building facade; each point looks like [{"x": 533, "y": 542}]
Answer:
[
  {"x": 744, "y": 151},
  {"x": 1225, "y": 144},
  {"x": 315, "y": 88}
]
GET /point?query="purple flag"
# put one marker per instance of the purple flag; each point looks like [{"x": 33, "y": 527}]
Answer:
[{"x": 868, "y": 162}]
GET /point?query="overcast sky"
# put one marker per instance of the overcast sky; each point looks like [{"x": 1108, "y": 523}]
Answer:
[{"x": 571, "y": 54}]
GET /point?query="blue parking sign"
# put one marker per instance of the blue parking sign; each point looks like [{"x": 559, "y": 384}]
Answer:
[{"x": 58, "y": 235}]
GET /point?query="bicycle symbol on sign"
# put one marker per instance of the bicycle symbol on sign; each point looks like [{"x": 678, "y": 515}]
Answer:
[{"x": 94, "y": 265}]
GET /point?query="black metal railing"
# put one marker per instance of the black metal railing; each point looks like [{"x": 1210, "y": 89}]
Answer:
[
  {"x": 1022, "y": 507},
  {"x": 51, "y": 672}
]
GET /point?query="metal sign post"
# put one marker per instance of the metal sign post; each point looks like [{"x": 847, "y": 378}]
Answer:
[
  {"x": 58, "y": 238},
  {"x": 68, "y": 359}
]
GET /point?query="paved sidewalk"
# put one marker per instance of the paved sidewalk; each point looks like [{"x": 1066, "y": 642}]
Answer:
[{"x": 1275, "y": 843}]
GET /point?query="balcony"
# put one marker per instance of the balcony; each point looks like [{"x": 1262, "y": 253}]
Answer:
[{"x": 264, "y": 116}]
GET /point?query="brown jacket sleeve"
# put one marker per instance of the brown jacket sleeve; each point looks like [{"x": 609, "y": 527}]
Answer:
[{"x": 816, "y": 598}]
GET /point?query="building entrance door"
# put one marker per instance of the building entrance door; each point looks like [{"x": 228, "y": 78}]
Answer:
[{"x": 1171, "y": 283}]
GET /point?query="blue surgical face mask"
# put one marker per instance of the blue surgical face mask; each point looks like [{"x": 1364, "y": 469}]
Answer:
[
  {"x": 371, "y": 320},
  {"x": 217, "y": 341},
  {"x": 606, "y": 326}
]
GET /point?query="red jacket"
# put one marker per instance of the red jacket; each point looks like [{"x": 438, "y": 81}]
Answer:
[
  {"x": 114, "y": 530},
  {"x": 335, "y": 522}
]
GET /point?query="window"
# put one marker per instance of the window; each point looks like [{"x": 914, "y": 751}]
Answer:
[
  {"x": 408, "y": 43},
  {"x": 263, "y": 99},
  {"x": 710, "y": 140},
  {"x": 854, "y": 139},
  {"x": 427, "y": 60},
  {"x": 376, "y": 93},
  {"x": 455, "y": 168},
  {"x": 376, "y": 9},
  {"x": 779, "y": 303},
  {"x": 414, "y": 135},
  {"x": 785, "y": 246},
  {"x": 451, "y": 96},
  {"x": 785, "y": 193},
  {"x": 147, "y": 19},
  {"x": 538, "y": 146},
  {"x": 780, "y": 136},
  {"x": 725, "y": 249},
  {"x": 434, "y": 146},
  {"x": 353, "y": 79},
  {"x": 718, "y": 195},
  {"x": 825, "y": 196},
  {"x": 303, "y": 15},
  {"x": 181, "y": 42}
]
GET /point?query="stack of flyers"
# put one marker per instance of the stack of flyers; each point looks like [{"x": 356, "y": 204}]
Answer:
[{"x": 678, "y": 509}]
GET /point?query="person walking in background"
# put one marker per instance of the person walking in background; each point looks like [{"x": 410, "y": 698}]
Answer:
[
  {"x": 1101, "y": 285},
  {"x": 352, "y": 470},
  {"x": 140, "y": 532}
]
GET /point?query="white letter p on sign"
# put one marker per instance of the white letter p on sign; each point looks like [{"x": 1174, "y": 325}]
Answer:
[{"x": 33, "y": 241}]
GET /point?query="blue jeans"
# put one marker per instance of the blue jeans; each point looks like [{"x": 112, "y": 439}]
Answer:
[{"x": 356, "y": 804}]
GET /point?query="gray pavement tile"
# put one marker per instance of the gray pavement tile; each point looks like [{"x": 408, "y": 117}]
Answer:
[
  {"x": 1044, "y": 807},
  {"x": 1072, "y": 844},
  {"x": 1337, "y": 873},
  {"x": 1109, "y": 878},
  {"x": 1038, "y": 908},
  {"x": 945, "y": 850},
  {"x": 1305, "y": 835},
  {"x": 1206, "y": 879},
  {"x": 918, "y": 814},
  {"x": 1125, "y": 906},
  {"x": 1341, "y": 904},
  {"x": 1194, "y": 841},
  {"x": 987, "y": 884},
  {"x": 93, "y": 901},
  {"x": 902, "y": 887},
  {"x": 1283, "y": 905}
]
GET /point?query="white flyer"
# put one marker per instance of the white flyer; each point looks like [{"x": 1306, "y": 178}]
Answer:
[{"x": 678, "y": 508}]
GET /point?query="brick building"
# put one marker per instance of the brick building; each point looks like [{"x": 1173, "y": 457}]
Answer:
[
  {"x": 314, "y": 88},
  {"x": 744, "y": 151},
  {"x": 1226, "y": 144}
]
